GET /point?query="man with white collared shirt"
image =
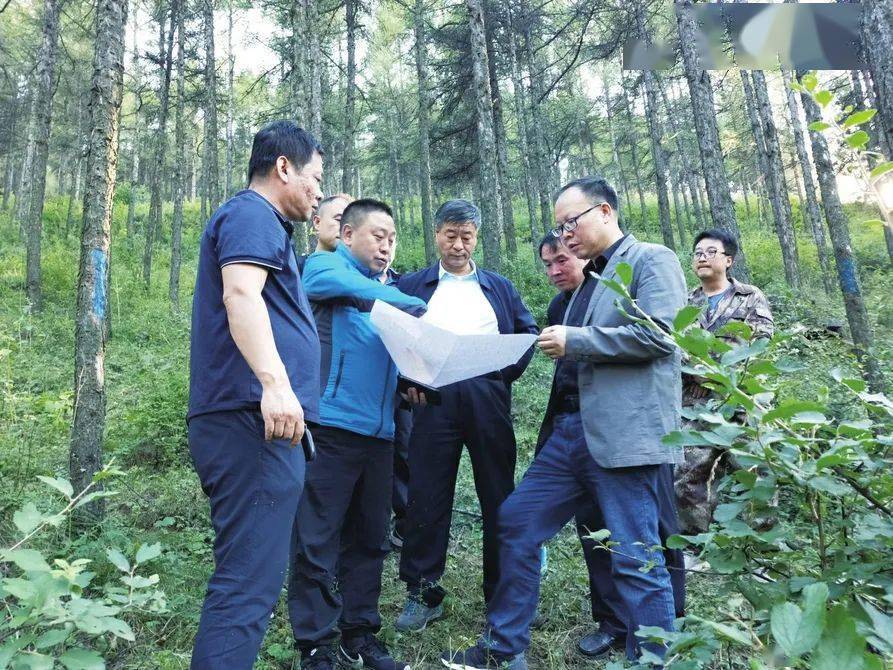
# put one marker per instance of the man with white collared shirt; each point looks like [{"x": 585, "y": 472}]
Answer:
[{"x": 475, "y": 413}]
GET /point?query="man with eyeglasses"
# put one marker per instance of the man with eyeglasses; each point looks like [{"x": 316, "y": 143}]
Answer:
[
  {"x": 725, "y": 300},
  {"x": 617, "y": 392}
]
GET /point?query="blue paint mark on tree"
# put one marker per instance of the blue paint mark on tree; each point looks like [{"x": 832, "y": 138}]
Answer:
[
  {"x": 846, "y": 272},
  {"x": 99, "y": 259}
]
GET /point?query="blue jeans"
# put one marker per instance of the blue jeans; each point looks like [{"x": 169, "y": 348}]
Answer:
[
  {"x": 562, "y": 477},
  {"x": 254, "y": 487}
]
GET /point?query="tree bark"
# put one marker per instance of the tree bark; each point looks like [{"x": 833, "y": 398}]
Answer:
[
  {"x": 721, "y": 207},
  {"x": 502, "y": 163},
  {"x": 311, "y": 17},
  {"x": 812, "y": 214},
  {"x": 847, "y": 270},
  {"x": 615, "y": 154},
  {"x": 530, "y": 187},
  {"x": 778, "y": 188},
  {"x": 491, "y": 199},
  {"x": 660, "y": 164},
  {"x": 877, "y": 39},
  {"x": 231, "y": 105},
  {"x": 41, "y": 118},
  {"x": 173, "y": 286},
  {"x": 85, "y": 456},
  {"x": 424, "y": 131},
  {"x": 539, "y": 141},
  {"x": 212, "y": 169},
  {"x": 348, "y": 180},
  {"x": 756, "y": 128},
  {"x": 632, "y": 138},
  {"x": 156, "y": 205}
]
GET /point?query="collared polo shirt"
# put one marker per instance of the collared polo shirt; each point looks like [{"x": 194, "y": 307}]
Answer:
[
  {"x": 459, "y": 305},
  {"x": 248, "y": 229}
]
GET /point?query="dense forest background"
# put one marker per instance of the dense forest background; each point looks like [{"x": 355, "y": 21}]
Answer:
[{"x": 123, "y": 126}]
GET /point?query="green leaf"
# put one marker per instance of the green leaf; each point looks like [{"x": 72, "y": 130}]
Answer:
[
  {"x": 796, "y": 86},
  {"x": 858, "y": 139},
  {"x": 8, "y": 650},
  {"x": 841, "y": 647},
  {"x": 28, "y": 518},
  {"x": 794, "y": 632},
  {"x": 809, "y": 81},
  {"x": 725, "y": 630},
  {"x": 823, "y": 97},
  {"x": 676, "y": 542},
  {"x": 82, "y": 659},
  {"x": 29, "y": 560},
  {"x": 686, "y": 316},
  {"x": 790, "y": 408},
  {"x": 881, "y": 168},
  {"x": 63, "y": 486},
  {"x": 819, "y": 126},
  {"x": 34, "y": 661},
  {"x": 118, "y": 560},
  {"x": 727, "y": 511},
  {"x": 809, "y": 418},
  {"x": 882, "y": 625},
  {"x": 625, "y": 272},
  {"x": 51, "y": 638},
  {"x": 858, "y": 118},
  {"x": 830, "y": 486},
  {"x": 147, "y": 552}
]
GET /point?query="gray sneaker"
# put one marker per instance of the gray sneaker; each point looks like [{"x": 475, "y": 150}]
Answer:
[{"x": 416, "y": 615}]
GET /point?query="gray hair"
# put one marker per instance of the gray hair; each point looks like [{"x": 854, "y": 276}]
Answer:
[{"x": 457, "y": 211}]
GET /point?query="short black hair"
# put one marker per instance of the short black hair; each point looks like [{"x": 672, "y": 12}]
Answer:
[
  {"x": 729, "y": 243},
  {"x": 281, "y": 138},
  {"x": 549, "y": 241},
  {"x": 594, "y": 188},
  {"x": 356, "y": 212},
  {"x": 457, "y": 211},
  {"x": 330, "y": 199}
]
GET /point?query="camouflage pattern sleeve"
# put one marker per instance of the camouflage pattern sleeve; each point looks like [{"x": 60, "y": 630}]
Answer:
[{"x": 759, "y": 315}]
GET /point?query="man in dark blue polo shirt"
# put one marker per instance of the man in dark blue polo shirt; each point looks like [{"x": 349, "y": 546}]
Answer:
[
  {"x": 254, "y": 382},
  {"x": 475, "y": 413}
]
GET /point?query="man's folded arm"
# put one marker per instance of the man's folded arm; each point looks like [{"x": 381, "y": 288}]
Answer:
[
  {"x": 661, "y": 294},
  {"x": 325, "y": 278}
]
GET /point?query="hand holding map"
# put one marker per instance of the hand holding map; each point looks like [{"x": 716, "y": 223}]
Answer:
[{"x": 436, "y": 357}]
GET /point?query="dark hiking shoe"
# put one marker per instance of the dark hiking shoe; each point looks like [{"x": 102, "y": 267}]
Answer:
[
  {"x": 480, "y": 657},
  {"x": 319, "y": 658},
  {"x": 416, "y": 615},
  {"x": 368, "y": 652}
]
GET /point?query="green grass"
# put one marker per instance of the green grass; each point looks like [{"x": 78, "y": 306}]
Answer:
[{"x": 160, "y": 499}]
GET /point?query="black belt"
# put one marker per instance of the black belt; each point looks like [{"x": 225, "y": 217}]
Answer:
[{"x": 568, "y": 404}]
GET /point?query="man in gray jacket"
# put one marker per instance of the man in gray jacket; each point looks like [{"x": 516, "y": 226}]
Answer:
[{"x": 618, "y": 393}]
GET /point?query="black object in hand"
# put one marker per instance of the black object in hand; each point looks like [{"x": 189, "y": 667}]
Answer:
[
  {"x": 308, "y": 446},
  {"x": 432, "y": 395}
]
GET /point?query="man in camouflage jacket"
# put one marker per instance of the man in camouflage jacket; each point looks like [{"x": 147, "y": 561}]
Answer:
[{"x": 724, "y": 300}]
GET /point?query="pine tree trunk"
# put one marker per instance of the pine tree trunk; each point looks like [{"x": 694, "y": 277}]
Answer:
[
  {"x": 231, "y": 106},
  {"x": 660, "y": 163},
  {"x": 722, "y": 208},
  {"x": 298, "y": 89},
  {"x": 502, "y": 163},
  {"x": 744, "y": 191},
  {"x": 540, "y": 159},
  {"x": 85, "y": 456},
  {"x": 41, "y": 117},
  {"x": 311, "y": 17},
  {"x": 490, "y": 200},
  {"x": 8, "y": 177},
  {"x": 424, "y": 131},
  {"x": 212, "y": 169},
  {"x": 530, "y": 188},
  {"x": 156, "y": 205},
  {"x": 847, "y": 271},
  {"x": 756, "y": 128},
  {"x": 812, "y": 214},
  {"x": 877, "y": 39},
  {"x": 173, "y": 287},
  {"x": 348, "y": 181},
  {"x": 778, "y": 188},
  {"x": 615, "y": 154},
  {"x": 633, "y": 138}
]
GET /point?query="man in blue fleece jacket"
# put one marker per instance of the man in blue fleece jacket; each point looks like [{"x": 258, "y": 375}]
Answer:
[{"x": 340, "y": 537}]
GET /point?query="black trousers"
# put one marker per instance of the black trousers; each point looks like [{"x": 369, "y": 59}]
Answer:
[
  {"x": 400, "y": 495},
  {"x": 340, "y": 538},
  {"x": 475, "y": 413},
  {"x": 607, "y": 606}
]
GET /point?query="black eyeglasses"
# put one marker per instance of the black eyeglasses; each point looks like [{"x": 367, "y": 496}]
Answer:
[
  {"x": 706, "y": 253},
  {"x": 571, "y": 223}
]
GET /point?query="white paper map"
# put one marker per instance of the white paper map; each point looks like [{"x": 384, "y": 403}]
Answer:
[{"x": 436, "y": 357}]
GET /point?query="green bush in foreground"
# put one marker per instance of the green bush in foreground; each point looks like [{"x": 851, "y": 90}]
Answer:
[
  {"x": 813, "y": 591},
  {"x": 54, "y": 613}
]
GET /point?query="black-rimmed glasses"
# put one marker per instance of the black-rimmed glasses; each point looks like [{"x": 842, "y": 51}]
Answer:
[
  {"x": 709, "y": 254},
  {"x": 571, "y": 223}
]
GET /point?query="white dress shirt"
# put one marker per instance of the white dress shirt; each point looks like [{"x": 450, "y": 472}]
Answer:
[{"x": 459, "y": 305}]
